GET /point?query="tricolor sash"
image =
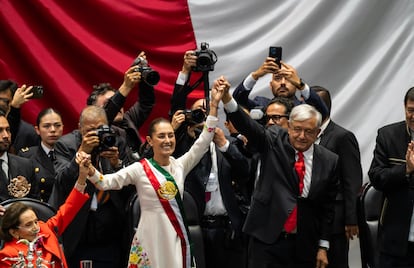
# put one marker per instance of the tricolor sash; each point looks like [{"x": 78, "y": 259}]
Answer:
[{"x": 170, "y": 198}]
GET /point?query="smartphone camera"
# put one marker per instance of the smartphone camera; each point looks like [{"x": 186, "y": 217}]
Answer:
[
  {"x": 276, "y": 52},
  {"x": 37, "y": 92}
]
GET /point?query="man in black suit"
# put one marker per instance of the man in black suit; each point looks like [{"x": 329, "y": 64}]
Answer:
[
  {"x": 11, "y": 99},
  {"x": 126, "y": 123},
  {"x": 278, "y": 240},
  {"x": 391, "y": 172},
  {"x": 96, "y": 233},
  {"x": 17, "y": 177},
  {"x": 344, "y": 143},
  {"x": 212, "y": 182},
  {"x": 285, "y": 82}
]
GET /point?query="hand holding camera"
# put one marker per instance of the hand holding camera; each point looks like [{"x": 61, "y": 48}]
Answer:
[
  {"x": 190, "y": 61},
  {"x": 206, "y": 59},
  {"x": 148, "y": 75},
  {"x": 177, "y": 119}
]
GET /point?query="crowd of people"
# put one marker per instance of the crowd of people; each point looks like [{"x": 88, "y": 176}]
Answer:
[{"x": 278, "y": 188}]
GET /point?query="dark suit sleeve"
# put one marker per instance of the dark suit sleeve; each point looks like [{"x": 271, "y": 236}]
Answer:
[
  {"x": 67, "y": 170},
  {"x": 329, "y": 203},
  {"x": 385, "y": 173},
  {"x": 255, "y": 132},
  {"x": 114, "y": 105},
  {"x": 239, "y": 163},
  {"x": 351, "y": 175},
  {"x": 141, "y": 110},
  {"x": 241, "y": 95},
  {"x": 317, "y": 102},
  {"x": 179, "y": 98}
]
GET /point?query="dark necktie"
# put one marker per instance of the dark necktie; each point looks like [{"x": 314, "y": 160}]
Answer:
[
  {"x": 51, "y": 155},
  {"x": 290, "y": 223}
]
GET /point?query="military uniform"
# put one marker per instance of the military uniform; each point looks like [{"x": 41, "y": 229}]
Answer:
[{"x": 43, "y": 167}]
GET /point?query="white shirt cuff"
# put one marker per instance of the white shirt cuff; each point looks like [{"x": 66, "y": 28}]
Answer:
[
  {"x": 181, "y": 79},
  {"x": 249, "y": 82}
]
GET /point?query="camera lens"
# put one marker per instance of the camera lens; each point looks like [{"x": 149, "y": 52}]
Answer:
[
  {"x": 204, "y": 60},
  {"x": 108, "y": 140},
  {"x": 151, "y": 77}
]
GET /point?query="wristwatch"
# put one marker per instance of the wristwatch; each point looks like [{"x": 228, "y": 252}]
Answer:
[{"x": 300, "y": 85}]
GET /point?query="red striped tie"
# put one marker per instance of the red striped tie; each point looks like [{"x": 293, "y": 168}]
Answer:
[{"x": 290, "y": 223}]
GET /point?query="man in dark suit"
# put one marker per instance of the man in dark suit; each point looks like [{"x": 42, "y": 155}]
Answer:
[
  {"x": 391, "y": 172},
  {"x": 212, "y": 185},
  {"x": 279, "y": 239},
  {"x": 11, "y": 100},
  {"x": 126, "y": 123},
  {"x": 213, "y": 181},
  {"x": 17, "y": 177},
  {"x": 96, "y": 233},
  {"x": 344, "y": 143},
  {"x": 285, "y": 82}
]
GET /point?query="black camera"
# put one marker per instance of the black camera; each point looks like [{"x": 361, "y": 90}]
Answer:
[
  {"x": 196, "y": 116},
  {"x": 107, "y": 138},
  {"x": 37, "y": 92},
  {"x": 148, "y": 75},
  {"x": 206, "y": 59}
]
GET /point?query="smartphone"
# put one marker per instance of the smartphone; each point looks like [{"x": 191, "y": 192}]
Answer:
[
  {"x": 276, "y": 52},
  {"x": 37, "y": 92}
]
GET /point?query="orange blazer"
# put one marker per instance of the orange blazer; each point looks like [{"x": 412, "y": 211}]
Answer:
[{"x": 49, "y": 244}]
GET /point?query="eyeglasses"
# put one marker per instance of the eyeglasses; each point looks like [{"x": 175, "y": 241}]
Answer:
[{"x": 276, "y": 117}]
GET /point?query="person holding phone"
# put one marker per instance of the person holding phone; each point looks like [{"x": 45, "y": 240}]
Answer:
[
  {"x": 12, "y": 98},
  {"x": 285, "y": 82}
]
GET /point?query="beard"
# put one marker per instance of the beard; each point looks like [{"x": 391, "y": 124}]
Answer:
[
  {"x": 283, "y": 91},
  {"x": 4, "y": 147}
]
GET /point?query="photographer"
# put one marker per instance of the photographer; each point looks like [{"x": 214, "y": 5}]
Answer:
[
  {"x": 96, "y": 232},
  {"x": 211, "y": 182},
  {"x": 127, "y": 123}
]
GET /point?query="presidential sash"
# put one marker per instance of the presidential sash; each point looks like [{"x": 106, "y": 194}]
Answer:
[{"x": 170, "y": 198}]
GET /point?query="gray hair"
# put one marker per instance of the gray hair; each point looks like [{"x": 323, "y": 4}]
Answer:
[
  {"x": 92, "y": 112},
  {"x": 304, "y": 112}
]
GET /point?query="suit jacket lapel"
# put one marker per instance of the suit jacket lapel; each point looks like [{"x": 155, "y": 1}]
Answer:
[
  {"x": 316, "y": 170},
  {"x": 325, "y": 138}
]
